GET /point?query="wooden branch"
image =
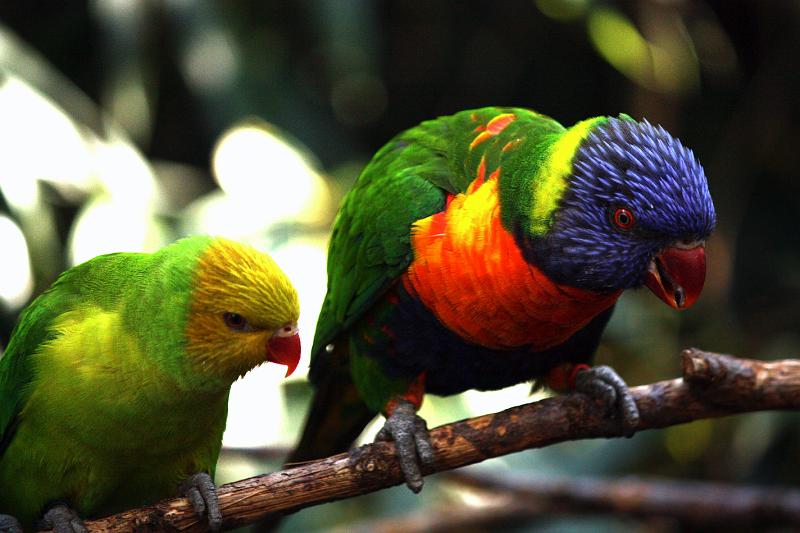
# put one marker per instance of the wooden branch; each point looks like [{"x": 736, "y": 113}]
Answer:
[{"x": 714, "y": 385}]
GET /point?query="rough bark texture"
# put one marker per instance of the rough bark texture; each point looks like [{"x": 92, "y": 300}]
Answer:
[{"x": 714, "y": 385}]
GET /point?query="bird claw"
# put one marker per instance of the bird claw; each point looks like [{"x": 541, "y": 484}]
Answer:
[
  {"x": 62, "y": 519},
  {"x": 9, "y": 524},
  {"x": 603, "y": 383},
  {"x": 412, "y": 442},
  {"x": 199, "y": 489}
]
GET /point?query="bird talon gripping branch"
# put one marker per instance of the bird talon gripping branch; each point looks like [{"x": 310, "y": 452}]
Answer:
[
  {"x": 199, "y": 489},
  {"x": 409, "y": 432},
  {"x": 603, "y": 383},
  {"x": 61, "y": 519},
  {"x": 9, "y": 524}
]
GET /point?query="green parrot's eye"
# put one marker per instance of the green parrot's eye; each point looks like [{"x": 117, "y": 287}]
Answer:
[{"x": 235, "y": 321}]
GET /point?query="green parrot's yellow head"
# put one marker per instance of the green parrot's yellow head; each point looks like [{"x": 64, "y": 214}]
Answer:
[{"x": 243, "y": 312}]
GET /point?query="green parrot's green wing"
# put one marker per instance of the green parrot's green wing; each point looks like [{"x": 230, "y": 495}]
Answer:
[
  {"x": 407, "y": 180},
  {"x": 15, "y": 372},
  {"x": 34, "y": 328}
]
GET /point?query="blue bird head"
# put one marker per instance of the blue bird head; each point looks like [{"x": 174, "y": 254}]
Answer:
[{"x": 636, "y": 211}]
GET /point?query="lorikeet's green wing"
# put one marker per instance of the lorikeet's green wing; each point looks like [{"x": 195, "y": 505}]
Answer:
[{"x": 370, "y": 247}]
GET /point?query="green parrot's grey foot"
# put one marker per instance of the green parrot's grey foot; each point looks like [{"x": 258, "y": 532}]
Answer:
[
  {"x": 202, "y": 494},
  {"x": 603, "y": 383},
  {"x": 9, "y": 524},
  {"x": 410, "y": 435},
  {"x": 62, "y": 519}
]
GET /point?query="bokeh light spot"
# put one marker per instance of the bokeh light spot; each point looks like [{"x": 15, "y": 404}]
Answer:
[
  {"x": 264, "y": 172},
  {"x": 210, "y": 60},
  {"x": 562, "y": 9},
  {"x": 688, "y": 442},
  {"x": 39, "y": 142},
  {"x": 620, "y": 43},
  {"x": 303, "y": 260},
  {"x": 16, "y": 282},
  {"x": 105, "y": 226}
]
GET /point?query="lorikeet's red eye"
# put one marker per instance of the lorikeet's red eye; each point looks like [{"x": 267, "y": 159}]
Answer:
[
  {"x": 235, "y": 321},
  {"x": 623, "y": 218}
]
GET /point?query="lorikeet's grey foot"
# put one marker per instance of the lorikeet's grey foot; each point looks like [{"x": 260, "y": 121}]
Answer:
[
  {"x": 202, "y": 494},
  {"x": 604, "y": 383},
  {"x": 9, "y": 524},
  {"x": 410, "y": 435},
  {"x": 62, "y": 519}
]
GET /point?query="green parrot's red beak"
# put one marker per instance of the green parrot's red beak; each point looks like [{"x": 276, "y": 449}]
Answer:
[
  {"x": 284, "y": 348},
  {"x": 677, "y": 273}
]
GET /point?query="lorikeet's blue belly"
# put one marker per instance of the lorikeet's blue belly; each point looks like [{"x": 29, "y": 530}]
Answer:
[{"x": 407, "y": 339}]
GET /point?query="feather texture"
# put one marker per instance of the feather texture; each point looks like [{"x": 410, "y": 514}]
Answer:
[{"x": 470, "y": 273}]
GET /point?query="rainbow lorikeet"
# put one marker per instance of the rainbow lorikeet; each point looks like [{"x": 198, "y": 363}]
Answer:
[
  {"x": 114, "y": 386},
  {"x": 487, "y": 248}
]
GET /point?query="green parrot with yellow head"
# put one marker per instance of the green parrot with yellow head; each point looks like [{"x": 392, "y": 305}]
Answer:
[{"x": 114, "y": 386}]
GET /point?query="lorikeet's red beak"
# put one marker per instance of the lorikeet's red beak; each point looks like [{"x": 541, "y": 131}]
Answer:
[
  {"x": 676, "y": 274},
  {"x": 284, "y": 348}
]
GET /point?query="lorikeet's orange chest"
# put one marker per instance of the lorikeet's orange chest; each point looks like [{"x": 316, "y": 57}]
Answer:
[{"x": 469, "y": 272}]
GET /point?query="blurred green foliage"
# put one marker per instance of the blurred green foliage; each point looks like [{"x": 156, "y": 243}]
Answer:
[{"x": 150, "y": 89}]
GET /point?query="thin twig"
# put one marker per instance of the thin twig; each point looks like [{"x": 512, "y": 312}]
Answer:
[
  {"x": 499, "y": 513},
  {"x": 714, "y": 385},
  {"x": 692, "y": 503},
  {"x": 516, "y": 500}
]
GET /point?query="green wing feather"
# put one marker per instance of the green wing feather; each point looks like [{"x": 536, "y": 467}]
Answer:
[
  {"x": 33, "y": 329},
  {"x": 370, "y": 245},
  {"x": 15, "y": 373}
]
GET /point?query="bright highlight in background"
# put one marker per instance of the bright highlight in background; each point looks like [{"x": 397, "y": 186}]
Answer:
[
  {"x": 16, "y": 282},
  {"x": 563, "y": 9},
  {"x": 255, "y": 166},
  {"x": 105, "y": 226},
  {"x": 256, "y": 411},
  {"x": 120, "y": 216},
  {"x": 39, "y": 142},
  {"x": 620, "y": 43},
  {"x": 667, "y": 63},
  {"x": 304, "y": 261}
]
